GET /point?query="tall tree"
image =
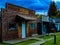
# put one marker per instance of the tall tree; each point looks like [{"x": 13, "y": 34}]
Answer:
[
  {"x": 58, "y": 14},
  {"x": 52, "y": 10}
]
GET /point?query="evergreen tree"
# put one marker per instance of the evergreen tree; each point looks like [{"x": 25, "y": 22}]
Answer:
[{"x": 52, "y": 10}]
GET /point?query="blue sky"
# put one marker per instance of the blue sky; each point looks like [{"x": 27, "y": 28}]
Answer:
[{"x": 40, "y": 6}]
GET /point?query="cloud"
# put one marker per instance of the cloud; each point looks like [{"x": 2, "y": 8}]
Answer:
[
  {"x": 37, "y": 5},
  {"x": 56, "y": 0},
  {"x": 42, "y": 13}
]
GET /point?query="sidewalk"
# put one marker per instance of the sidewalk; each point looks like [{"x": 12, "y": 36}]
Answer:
[
  {"x": 22, "y": 40},
  {"x": 41, "y": 42}
]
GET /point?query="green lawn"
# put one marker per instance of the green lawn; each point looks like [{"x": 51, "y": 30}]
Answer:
[
  {"x": 51, "y": 42},
  {"x": 50, "y": 36},
  {"x": 47, "y": 37},
  {"x": 22, "y": 43},
  {"x": 33, "y": 40},
  {"x": 5, "y": 44},
  {"x": 27, "y": 42}
]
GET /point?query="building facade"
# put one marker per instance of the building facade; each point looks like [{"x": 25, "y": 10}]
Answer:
[
  {"x": 57, "y": 24},
  {"x": 17, "y": 22},
  {"x": 45, "y": 25}
]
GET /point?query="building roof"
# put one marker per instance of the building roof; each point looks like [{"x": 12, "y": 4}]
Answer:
[
  {"x": 18, "y": 6},
  {"x": 27, "y": 17},
  {"x": 57, "y": 20}
]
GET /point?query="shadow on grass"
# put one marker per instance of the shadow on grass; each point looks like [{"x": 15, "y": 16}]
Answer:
[{"x": 6, "y": 44}]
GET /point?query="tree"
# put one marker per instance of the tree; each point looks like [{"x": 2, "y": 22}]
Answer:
[
  {"x": 38, "y": 16},
  {"x": 52, "y": 13},
  {"x": 52, "y": 10},
  {"x": 58, "y": 14}
]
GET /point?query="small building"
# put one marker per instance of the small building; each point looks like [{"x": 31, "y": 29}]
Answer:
[
  {"x": 16, "y": 22},
  {"x": 57, "y": 24},
  {"x": 45, "y": 25}
]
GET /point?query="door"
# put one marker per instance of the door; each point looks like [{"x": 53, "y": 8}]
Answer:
[
  {"x": 39, "y": 28},
  {"x": 23, "y": 30},
  {"x": 44, "y": 29},
  {"x": 57, "y": 26}
]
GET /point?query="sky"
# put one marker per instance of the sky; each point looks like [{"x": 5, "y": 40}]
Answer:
[{"x": 40, "y": 6}]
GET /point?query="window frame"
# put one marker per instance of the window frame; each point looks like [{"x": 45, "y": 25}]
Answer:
[
  {"x": 13, "y": 27},
  {"x": 32, "y": 26}
]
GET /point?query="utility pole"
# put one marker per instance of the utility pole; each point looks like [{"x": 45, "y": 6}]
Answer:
[{"x": 54, "y": 32}]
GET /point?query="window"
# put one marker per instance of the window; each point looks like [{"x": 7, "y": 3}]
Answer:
[
  {"x": 57, "y": 26},
  {"x": 0, "y": 14},
  {"x": 32, "y": 25},
  {"x": 13, "y": 26}
]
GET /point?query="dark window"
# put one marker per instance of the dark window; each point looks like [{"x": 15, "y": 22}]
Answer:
[
  {"x": 32, "y": 25},
  {"x": 0, "y": 12},
  {"x": 13, "y": 26},
  {"x": 0, "y": 15}
]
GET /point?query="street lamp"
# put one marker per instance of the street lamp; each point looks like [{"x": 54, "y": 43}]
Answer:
[{"x": 54, "y": 32}]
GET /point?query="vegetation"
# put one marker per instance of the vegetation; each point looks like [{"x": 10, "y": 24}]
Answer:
[
  {"x": 22, "y": 43},
  {"x": 58, "y": 14},
  {"x": 52, "y": 12},
  {"x": 38, "y": 16},
  {"x": 47, "y": 37},
  {"x": 34, "y": 40},
  {"x": 5, "y": 44},
  {"x": 51, "y": 42},
  {"x": 27, "y": 42}
]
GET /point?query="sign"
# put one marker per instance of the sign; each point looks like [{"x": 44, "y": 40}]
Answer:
[{"x": 45, "y": 18}]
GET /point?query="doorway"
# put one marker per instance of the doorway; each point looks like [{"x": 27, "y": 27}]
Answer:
[
  {"x": 44, "y": 29},
  {"x": 23, "y": 30}
]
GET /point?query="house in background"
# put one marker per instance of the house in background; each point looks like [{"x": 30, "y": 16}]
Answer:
[
  {"x": 57, "y": 24},
  {"x": 45, "y": 25},
  {"x": 39, "y": 26},
  {"x": 17, "y": 22}
]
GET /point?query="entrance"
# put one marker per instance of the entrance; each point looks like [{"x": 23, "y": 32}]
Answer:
[
  {"x": 23, "y": 30},
  {"x": 44, "y": 29},
  {"x": 39, "y": 28}
]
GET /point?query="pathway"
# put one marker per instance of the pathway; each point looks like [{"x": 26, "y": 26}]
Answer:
[{"x": 41, "y": 42}]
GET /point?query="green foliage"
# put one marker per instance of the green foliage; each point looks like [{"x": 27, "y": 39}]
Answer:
[
  {"x": 51, "y": 42},
  {"x": 52, "y": 10},
  {"x": 27, "y": 42},
  {"x": 38, "y": 16},
  {"x": 57, "y": 14}
]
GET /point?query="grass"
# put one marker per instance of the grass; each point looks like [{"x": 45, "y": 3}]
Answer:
[
  {"x": 51, "y": 42},
  {"x": 5, "y": 44},
  {"x": 33, "y": 40},
  {"x": 27, "y": 42},
  {"x": 47, "y": 37},
  {"x": 22, "y": 43}
]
